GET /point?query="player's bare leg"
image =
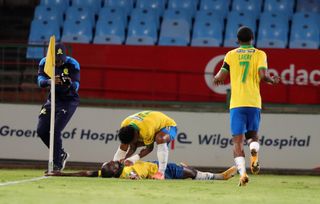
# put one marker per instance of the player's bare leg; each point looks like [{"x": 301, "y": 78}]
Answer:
[
  {"x": 239, "y": 159},
  {"x": 254, "y": 149}
]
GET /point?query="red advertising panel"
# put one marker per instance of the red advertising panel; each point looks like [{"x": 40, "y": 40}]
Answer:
[{"x": 185, "y": 73}]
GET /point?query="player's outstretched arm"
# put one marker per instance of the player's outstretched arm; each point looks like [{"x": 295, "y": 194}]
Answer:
[{"x": 75, "y": 174}]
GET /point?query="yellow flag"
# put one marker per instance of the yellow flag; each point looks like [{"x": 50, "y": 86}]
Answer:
[{"x": 50, "y": 58}]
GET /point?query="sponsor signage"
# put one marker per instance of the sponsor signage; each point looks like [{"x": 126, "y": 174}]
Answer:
[
  {"x": 185, "y": 73},
  {"x": 203, "y": 139}
]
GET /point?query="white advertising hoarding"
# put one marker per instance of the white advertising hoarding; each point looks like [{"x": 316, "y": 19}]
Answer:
[{"x": 287, "y": 140}]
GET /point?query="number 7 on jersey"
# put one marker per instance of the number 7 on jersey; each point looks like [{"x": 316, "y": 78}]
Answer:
[{"x": 245, "y": 65}]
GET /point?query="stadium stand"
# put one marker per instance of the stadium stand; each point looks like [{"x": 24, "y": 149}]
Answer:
[
  {"x": 143, "y": 27},
  {"x": 251, "y": 6},
  {"x": 157, "y": 5},
  {"x": 273, "y": 30},
  {"x": 93, "y": 5},
  {"x": 48, "y": 13},
  {"x": 207, "y": 29},
  {"x": 127, "y": 5},
  {"x": 110, "y": 28},
  {"x": 221, "y": 6},
  {"x": 285, "y": 7},
  {"x": 61, "y": 5},
  {"x": 276, "y": 23}
]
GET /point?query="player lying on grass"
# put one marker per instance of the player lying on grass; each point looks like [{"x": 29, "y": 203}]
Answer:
[{"x": 146, "y": 170}]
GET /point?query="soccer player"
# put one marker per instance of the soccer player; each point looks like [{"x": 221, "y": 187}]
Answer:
[
  {"x": 146, "y": 170},
  {"x": 67, "y": 82},
  {"x": 247, "y": 66},
  {"x": 143, "y": 129}
]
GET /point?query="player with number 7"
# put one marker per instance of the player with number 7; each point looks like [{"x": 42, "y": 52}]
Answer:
[{"x": 247, "y": 66}]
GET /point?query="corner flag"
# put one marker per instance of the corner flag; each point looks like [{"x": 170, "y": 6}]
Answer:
[
  {"x": 49, "y": 69},
  {"x": 50, "y": 58}
]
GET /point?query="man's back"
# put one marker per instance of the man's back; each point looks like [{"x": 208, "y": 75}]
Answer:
[{"x": 244, "y": 64}]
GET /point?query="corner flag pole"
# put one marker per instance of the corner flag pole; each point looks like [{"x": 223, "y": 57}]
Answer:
[{"x": 50, "y": 71}]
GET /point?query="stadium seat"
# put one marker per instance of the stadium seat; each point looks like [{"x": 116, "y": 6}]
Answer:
[
  {"x": 188, "y": 5},
  {"x": 141, "y": 31},
  {"x": 146, "y": 14},
  {"x": 273, "y": 33},
  {"x": 93, "y": 5},
  {"x": 113, "y": 13},
  {"x": 279, "y": 6},
  {"x": 78, "y": 31},
  {"x": 234, "y": 21},
  {"x": 221, "y": 6},
  {"x": 181, "y": 15},
  {"x": 308, "y": 6},
  {"x": 40, "y": 32},
  {"x": 80, "y": 13},
  {"x": 157, "y": 5},
  {"x": 127, "y": 5},
  {"x": 273, "y": 16},
  {"x": 61, "y": 5},
  {"x": 207, "y": 29},
  {"x": 304, "y": 35},
  {"x": 174, "y": 33},
  {"x": 110, "y": 31},
  {"x": 306, "y": 17},
  {"x": 46, "y": 13},
  {"x": 252, "y": 6}
]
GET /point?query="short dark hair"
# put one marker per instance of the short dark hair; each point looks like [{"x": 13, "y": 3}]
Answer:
[
  {"x": 106, "y": 170},
  {"x": 126, "y": 134},
  {"x": 244, "y": 34}
]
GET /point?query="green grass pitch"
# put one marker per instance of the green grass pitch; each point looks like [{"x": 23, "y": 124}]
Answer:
[{"x": 261, "y": 189}]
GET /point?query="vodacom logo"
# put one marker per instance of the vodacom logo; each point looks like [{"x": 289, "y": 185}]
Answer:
[{"x": 208, "y": 75}]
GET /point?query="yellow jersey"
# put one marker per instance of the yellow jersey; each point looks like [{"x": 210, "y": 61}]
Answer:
[
  {"x": 148, "y": 123},
  {"x": 145, "y": 170},
  {"x": 244, "y": 65}
]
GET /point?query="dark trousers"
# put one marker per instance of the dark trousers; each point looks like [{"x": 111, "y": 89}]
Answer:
[{"x": 64, "y": 112}]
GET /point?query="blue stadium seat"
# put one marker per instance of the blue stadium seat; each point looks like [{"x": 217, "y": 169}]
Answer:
[
  {"x": 252, "y": 6},
  {"x": 78, "y": 31},
  {"x": 174, "y": 33},
  {"x": 80, "y": 13},
  {"x": 40, "y": 32},
  {"x": 58, "y": 4},
  {"x": 142, "y": 31},
  {"x": 308, "y": 6},
  {"x": 234, "y": 21},
  {"x": 273, "y": 16},
  {"x": 279, "y": 6},
  {"x": 127, "y": 5},
  {"x": 273, "y": 33},
  {"x": 222, "y": 6},
  {"x": 181, "y": 15},
  {"x": 189, "y": 5},
  {"x": 146, "y": 15},
  {"x": 93, "y": 5},
  {"x": 48, "y": 13},
  {"x": 113, "y": 13},
  {"x": 304, "y": 35},
  {"x": 110, "y": 31},
  {"x": 157, "y": 5},
  {"x": 306, "y": 17},
  {"x": 207, "y": 29}
]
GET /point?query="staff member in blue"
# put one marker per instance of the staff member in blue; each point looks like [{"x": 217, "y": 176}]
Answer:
[{"x": 67, "y": 81}]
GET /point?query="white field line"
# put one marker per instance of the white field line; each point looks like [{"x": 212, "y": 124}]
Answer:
[{"x": 22, "y": 181}]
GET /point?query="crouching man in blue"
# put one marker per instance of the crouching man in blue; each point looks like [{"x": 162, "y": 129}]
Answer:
[{"x": 67, "y": 82}]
